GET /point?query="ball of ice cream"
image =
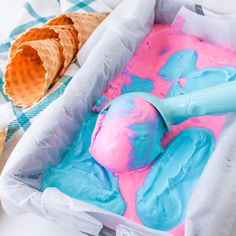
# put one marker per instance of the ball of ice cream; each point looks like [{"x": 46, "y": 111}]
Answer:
[{"x": 128, "y": 135}]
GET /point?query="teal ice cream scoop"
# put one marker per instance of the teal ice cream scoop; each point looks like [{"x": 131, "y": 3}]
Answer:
[
  {"x": 174, "y": 110},
  {"x": 135, "y": 145}
]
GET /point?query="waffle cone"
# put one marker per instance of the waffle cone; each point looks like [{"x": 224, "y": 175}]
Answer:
[
  {"x": 84, "y": 23},
  {"x": 39, "y": 56},
  {"x": 65, "y": 34},
  {"x": 3, "y": 134},
  {"x": 31, "y": 71}
]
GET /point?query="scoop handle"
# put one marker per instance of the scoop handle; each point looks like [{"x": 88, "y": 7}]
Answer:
[{"x": 216, "y": 99}]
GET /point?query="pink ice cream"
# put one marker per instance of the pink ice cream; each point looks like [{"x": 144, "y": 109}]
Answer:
[
  {"x": 128, "y": 136},
  {"x": 150, "y": 57}
]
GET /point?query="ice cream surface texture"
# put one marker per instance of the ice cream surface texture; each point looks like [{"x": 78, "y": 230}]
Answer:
[
  {"x": 81, "y": 177},
  {"x": 148, "y": 180}
]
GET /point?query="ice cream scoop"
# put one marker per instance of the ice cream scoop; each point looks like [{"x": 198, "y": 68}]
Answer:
[
  {"x": 127, "y": 136},
  {"x": 128, "y": 131}
]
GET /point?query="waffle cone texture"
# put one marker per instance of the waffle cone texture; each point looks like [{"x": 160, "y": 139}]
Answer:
[
  {"x": 41, "y": 55},
  {"x": 3, "y": 133}
]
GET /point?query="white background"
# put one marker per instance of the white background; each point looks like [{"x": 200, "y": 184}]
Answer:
[{"x": 8, "y": 15}]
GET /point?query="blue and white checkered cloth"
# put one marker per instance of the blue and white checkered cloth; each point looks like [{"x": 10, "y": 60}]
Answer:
[{"x": 35, "y": 12}]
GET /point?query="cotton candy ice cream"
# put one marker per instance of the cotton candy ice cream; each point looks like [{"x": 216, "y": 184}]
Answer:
[{"x": 128, "y": 135}]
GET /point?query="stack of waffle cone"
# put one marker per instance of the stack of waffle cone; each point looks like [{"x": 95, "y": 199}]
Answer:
[
  {"x": 65, "y": 34},
  {"x": 3, "y": 133},
  {"x": 84, "y": 23},
  {"x": 41, "y": 55}
]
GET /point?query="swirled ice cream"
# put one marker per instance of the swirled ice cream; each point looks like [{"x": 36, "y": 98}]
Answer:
[{"x": 128, "y": 135}]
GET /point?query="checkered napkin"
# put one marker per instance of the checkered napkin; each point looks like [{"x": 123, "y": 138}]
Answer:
[{"x": 35, "y": 12}]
